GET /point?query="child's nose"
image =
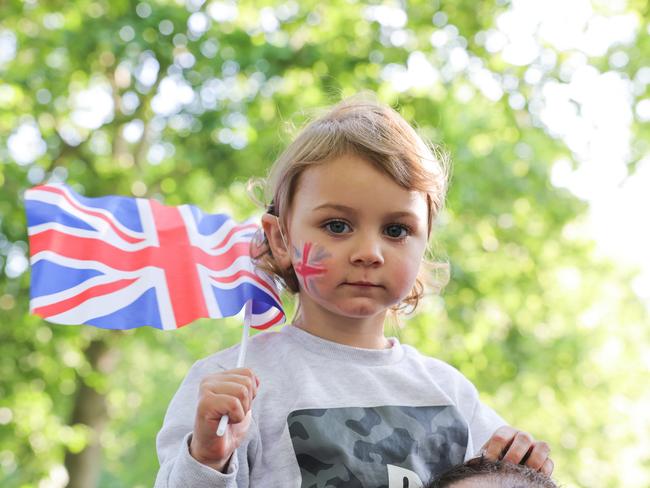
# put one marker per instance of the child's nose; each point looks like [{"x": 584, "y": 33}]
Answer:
[{"x": 367, "y": 252}]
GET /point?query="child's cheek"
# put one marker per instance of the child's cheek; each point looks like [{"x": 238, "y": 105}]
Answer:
[
  {"x": 405, "y": 280},
  {"x": 309, "y": 264}
]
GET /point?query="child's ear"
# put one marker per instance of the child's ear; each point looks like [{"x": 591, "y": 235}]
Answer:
[{"x": 280, "y": 250}]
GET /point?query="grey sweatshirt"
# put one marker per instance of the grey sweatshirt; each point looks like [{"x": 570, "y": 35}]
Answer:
[{"x": 333, "y": 415}]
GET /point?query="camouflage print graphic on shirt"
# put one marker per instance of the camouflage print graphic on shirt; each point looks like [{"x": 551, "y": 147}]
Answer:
[{"x": 376, "y": 447}]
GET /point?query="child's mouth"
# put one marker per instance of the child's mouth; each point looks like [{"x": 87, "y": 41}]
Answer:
[{"x": 363, "y": 284}]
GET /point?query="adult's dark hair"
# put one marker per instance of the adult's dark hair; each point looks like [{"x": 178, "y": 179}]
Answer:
[{"x": 504, "y": 474}]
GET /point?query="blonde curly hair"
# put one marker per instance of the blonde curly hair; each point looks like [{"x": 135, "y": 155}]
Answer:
[{"x": 362, "y": 126}]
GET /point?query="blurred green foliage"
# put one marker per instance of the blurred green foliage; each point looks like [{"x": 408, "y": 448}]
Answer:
[{"x": 197, "y": 97}]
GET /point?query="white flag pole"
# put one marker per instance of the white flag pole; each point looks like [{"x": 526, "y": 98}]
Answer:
[{"x": 248, "y": 312}]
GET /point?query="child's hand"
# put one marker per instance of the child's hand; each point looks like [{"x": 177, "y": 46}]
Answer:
[
  {"x": 229, "y": 392},
  {"x": 518, "y": 447}
]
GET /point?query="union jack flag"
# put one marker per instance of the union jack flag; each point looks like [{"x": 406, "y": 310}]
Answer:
[{"x": 118, "y": 263}]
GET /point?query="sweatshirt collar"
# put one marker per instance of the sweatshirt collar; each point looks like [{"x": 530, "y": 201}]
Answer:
[{"x": 336, "y": 351}]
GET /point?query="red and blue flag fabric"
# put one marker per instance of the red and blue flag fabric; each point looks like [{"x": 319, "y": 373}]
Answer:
[{"x": 118, "y": 263}]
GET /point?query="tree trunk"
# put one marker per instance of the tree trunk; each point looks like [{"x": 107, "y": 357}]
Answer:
[{"x": 90, "y": 409}]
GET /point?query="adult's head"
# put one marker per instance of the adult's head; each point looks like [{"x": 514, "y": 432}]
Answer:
[{"x": 482, "y": 473}]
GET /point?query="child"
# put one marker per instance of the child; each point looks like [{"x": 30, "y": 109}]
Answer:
[
  {"x": 329, "y": 400},
  {"x": 481, "y": 473}
]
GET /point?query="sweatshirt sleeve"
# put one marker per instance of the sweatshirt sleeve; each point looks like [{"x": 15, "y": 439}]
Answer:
[
  {"x": 177, "y": 467},
  {"x": 483, "y": 423}
]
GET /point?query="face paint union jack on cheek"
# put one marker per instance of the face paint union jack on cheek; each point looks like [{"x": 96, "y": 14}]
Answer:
[{"x": 310, "y": 264}]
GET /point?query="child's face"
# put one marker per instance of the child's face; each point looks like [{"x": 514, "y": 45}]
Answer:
[{"x": 357, "y": 238}]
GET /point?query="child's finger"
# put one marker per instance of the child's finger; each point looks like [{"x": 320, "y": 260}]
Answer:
[
  {"x": 219, "y": 398},
  {"x": 250, "y": 384},
  {"x": 214, "y": 394},
  {"x": 250, "y": 380},
  {"x": 214, "y": 405},
  {"x": 233, "y": 407},
  {"x": 245, "y": 372},
  {"x": 245, "y": 376},
  {"x": 547, "y": 468},
  {"x": 537, "y": 455},
  {"x": 498, "y": 443},
  {"x": 230, "y": 383},
  {"x": 520, "y": 446}
]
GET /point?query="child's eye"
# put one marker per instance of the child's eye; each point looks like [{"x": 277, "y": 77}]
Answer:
[
  {"x": 397, "y": 231},
  {"x": 337, "y": 227}
]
